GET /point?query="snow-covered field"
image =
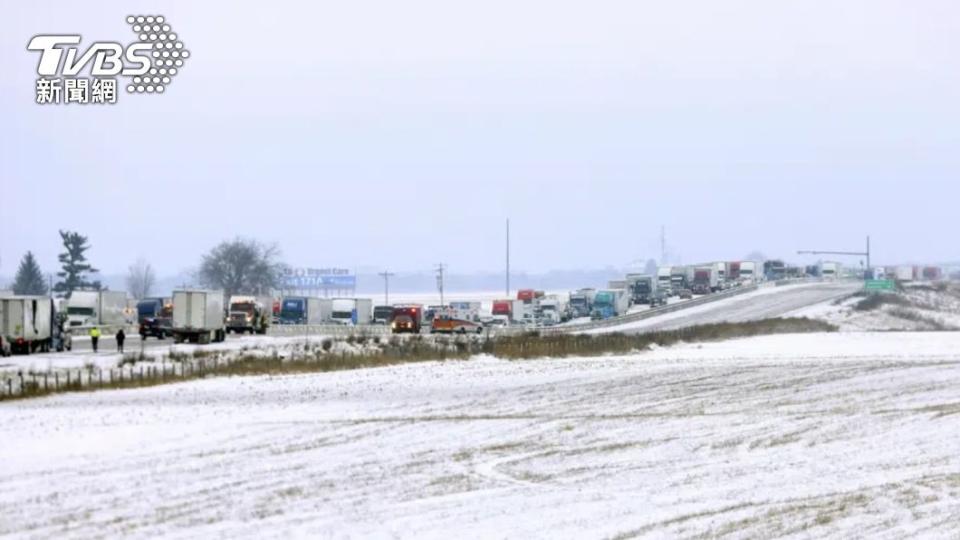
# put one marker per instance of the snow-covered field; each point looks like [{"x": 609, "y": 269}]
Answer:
[{"x": 844, "y": 435}]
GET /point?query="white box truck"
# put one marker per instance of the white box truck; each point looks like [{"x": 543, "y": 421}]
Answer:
[
  {"x": 904, "y": 273},
  {"x": 352, "y": 311},
  {"x": 26, "y": 324},
  {"x": 96, "y": 308},
  {"x": 198, "y": 316}
]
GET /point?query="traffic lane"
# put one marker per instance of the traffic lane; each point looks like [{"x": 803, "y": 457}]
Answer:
[{"x": 767, "y": 306}]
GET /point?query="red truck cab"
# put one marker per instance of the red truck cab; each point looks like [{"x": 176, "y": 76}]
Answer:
[{"x": 406, "y": 319}]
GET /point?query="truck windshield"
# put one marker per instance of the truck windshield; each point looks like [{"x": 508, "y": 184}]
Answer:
[
  {"x": 245, "y": 307},
  {"x": 603, "y": 299},
  {"x": 382, "y": 312},
  {"x": 148, "y": 309},
  {"x": 82, "y": 311},
  {"x": 342, "y": 314}
]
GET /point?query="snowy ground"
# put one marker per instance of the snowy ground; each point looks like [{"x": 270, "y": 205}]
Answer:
[
  {"x": 918, "y": 307},
  {"x": 106, "y": 359},
  {"x": 847, "y": 435}
]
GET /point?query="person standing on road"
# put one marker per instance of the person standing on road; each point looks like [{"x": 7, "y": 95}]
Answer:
[
  {"x": 94, "y": 337},
  {"x": 120, "y": 337}
]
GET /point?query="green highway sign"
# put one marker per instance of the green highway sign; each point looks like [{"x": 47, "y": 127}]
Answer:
[{"x": 880, "y": 285}]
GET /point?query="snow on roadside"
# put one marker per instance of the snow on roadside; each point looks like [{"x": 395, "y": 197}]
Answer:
[
  {"x": 253, "y": 345},
  {"x": 917, "y": 307},
  {"x": 814, "y": 435}
]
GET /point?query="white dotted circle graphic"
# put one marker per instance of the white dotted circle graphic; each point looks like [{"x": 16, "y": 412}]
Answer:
[{"x": 165, "y": 49}]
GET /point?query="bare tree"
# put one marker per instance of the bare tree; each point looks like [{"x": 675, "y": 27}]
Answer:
[
  {"x": 241, "y": 266},
  {"x": 140, "y": 279}
]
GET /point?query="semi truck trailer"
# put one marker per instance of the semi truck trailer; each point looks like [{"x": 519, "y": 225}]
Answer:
[
  {"x": 305, "y": 310},
  {"x": 352, "y": 311},
  {"x": 610, "y": 303},
  {"x": 705, "y": 280},
  {"x": 96, "y": 308},
  {"x": 198, "y": 316},
  {"x": 27, "y": 324}
]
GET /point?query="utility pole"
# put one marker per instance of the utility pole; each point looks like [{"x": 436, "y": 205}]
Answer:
[
  {"x": 508, "y": 258},
  {"x": 386, "y": 275},
  {"x": 663, "y": 246},
  {"x": 440, "y": 268}
]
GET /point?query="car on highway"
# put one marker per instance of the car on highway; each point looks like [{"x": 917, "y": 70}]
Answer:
[
  {"x": 4, "y": 348},
  {"x": 686, "y": 294},
  {"x": 449, "y": 325}
]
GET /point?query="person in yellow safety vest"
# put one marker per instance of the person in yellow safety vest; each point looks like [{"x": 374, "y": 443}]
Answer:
[{"x": 94, "y": 337}]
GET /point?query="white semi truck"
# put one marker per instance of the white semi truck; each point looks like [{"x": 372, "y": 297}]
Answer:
[
  {"x": 198, "y": 316},
  {"x": 96, "y": 308},
  {"x": 830, "y": 270},
  {"x": 664, "y": 282},
  {"x": 27, "y": 324},
  {"x": 553, "y": 310},
  {"x": 749, "y": 271}
]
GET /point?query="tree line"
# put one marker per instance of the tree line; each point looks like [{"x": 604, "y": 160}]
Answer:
[{"x": 238, "y": 266}]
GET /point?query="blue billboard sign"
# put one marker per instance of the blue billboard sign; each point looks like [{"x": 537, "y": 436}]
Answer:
[{"x": 319, "y": 279}]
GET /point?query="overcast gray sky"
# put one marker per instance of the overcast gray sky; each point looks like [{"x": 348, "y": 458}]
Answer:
[{"x": 400, "y": 134}]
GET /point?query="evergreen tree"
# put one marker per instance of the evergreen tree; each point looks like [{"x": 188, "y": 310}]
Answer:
[
  {"x": 75, "y": 266},
  {"x": 29, "y": 278}
]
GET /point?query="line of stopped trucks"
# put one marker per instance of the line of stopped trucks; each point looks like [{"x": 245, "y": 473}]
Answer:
[{"x": 30, "y": 324}]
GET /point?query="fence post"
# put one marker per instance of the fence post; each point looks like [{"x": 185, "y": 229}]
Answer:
[
  {"x": 9, "y": 387},
  {"x": 100, "y": 377}
]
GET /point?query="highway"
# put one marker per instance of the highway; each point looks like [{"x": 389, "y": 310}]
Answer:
[{"x": 768, "y": 302}]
